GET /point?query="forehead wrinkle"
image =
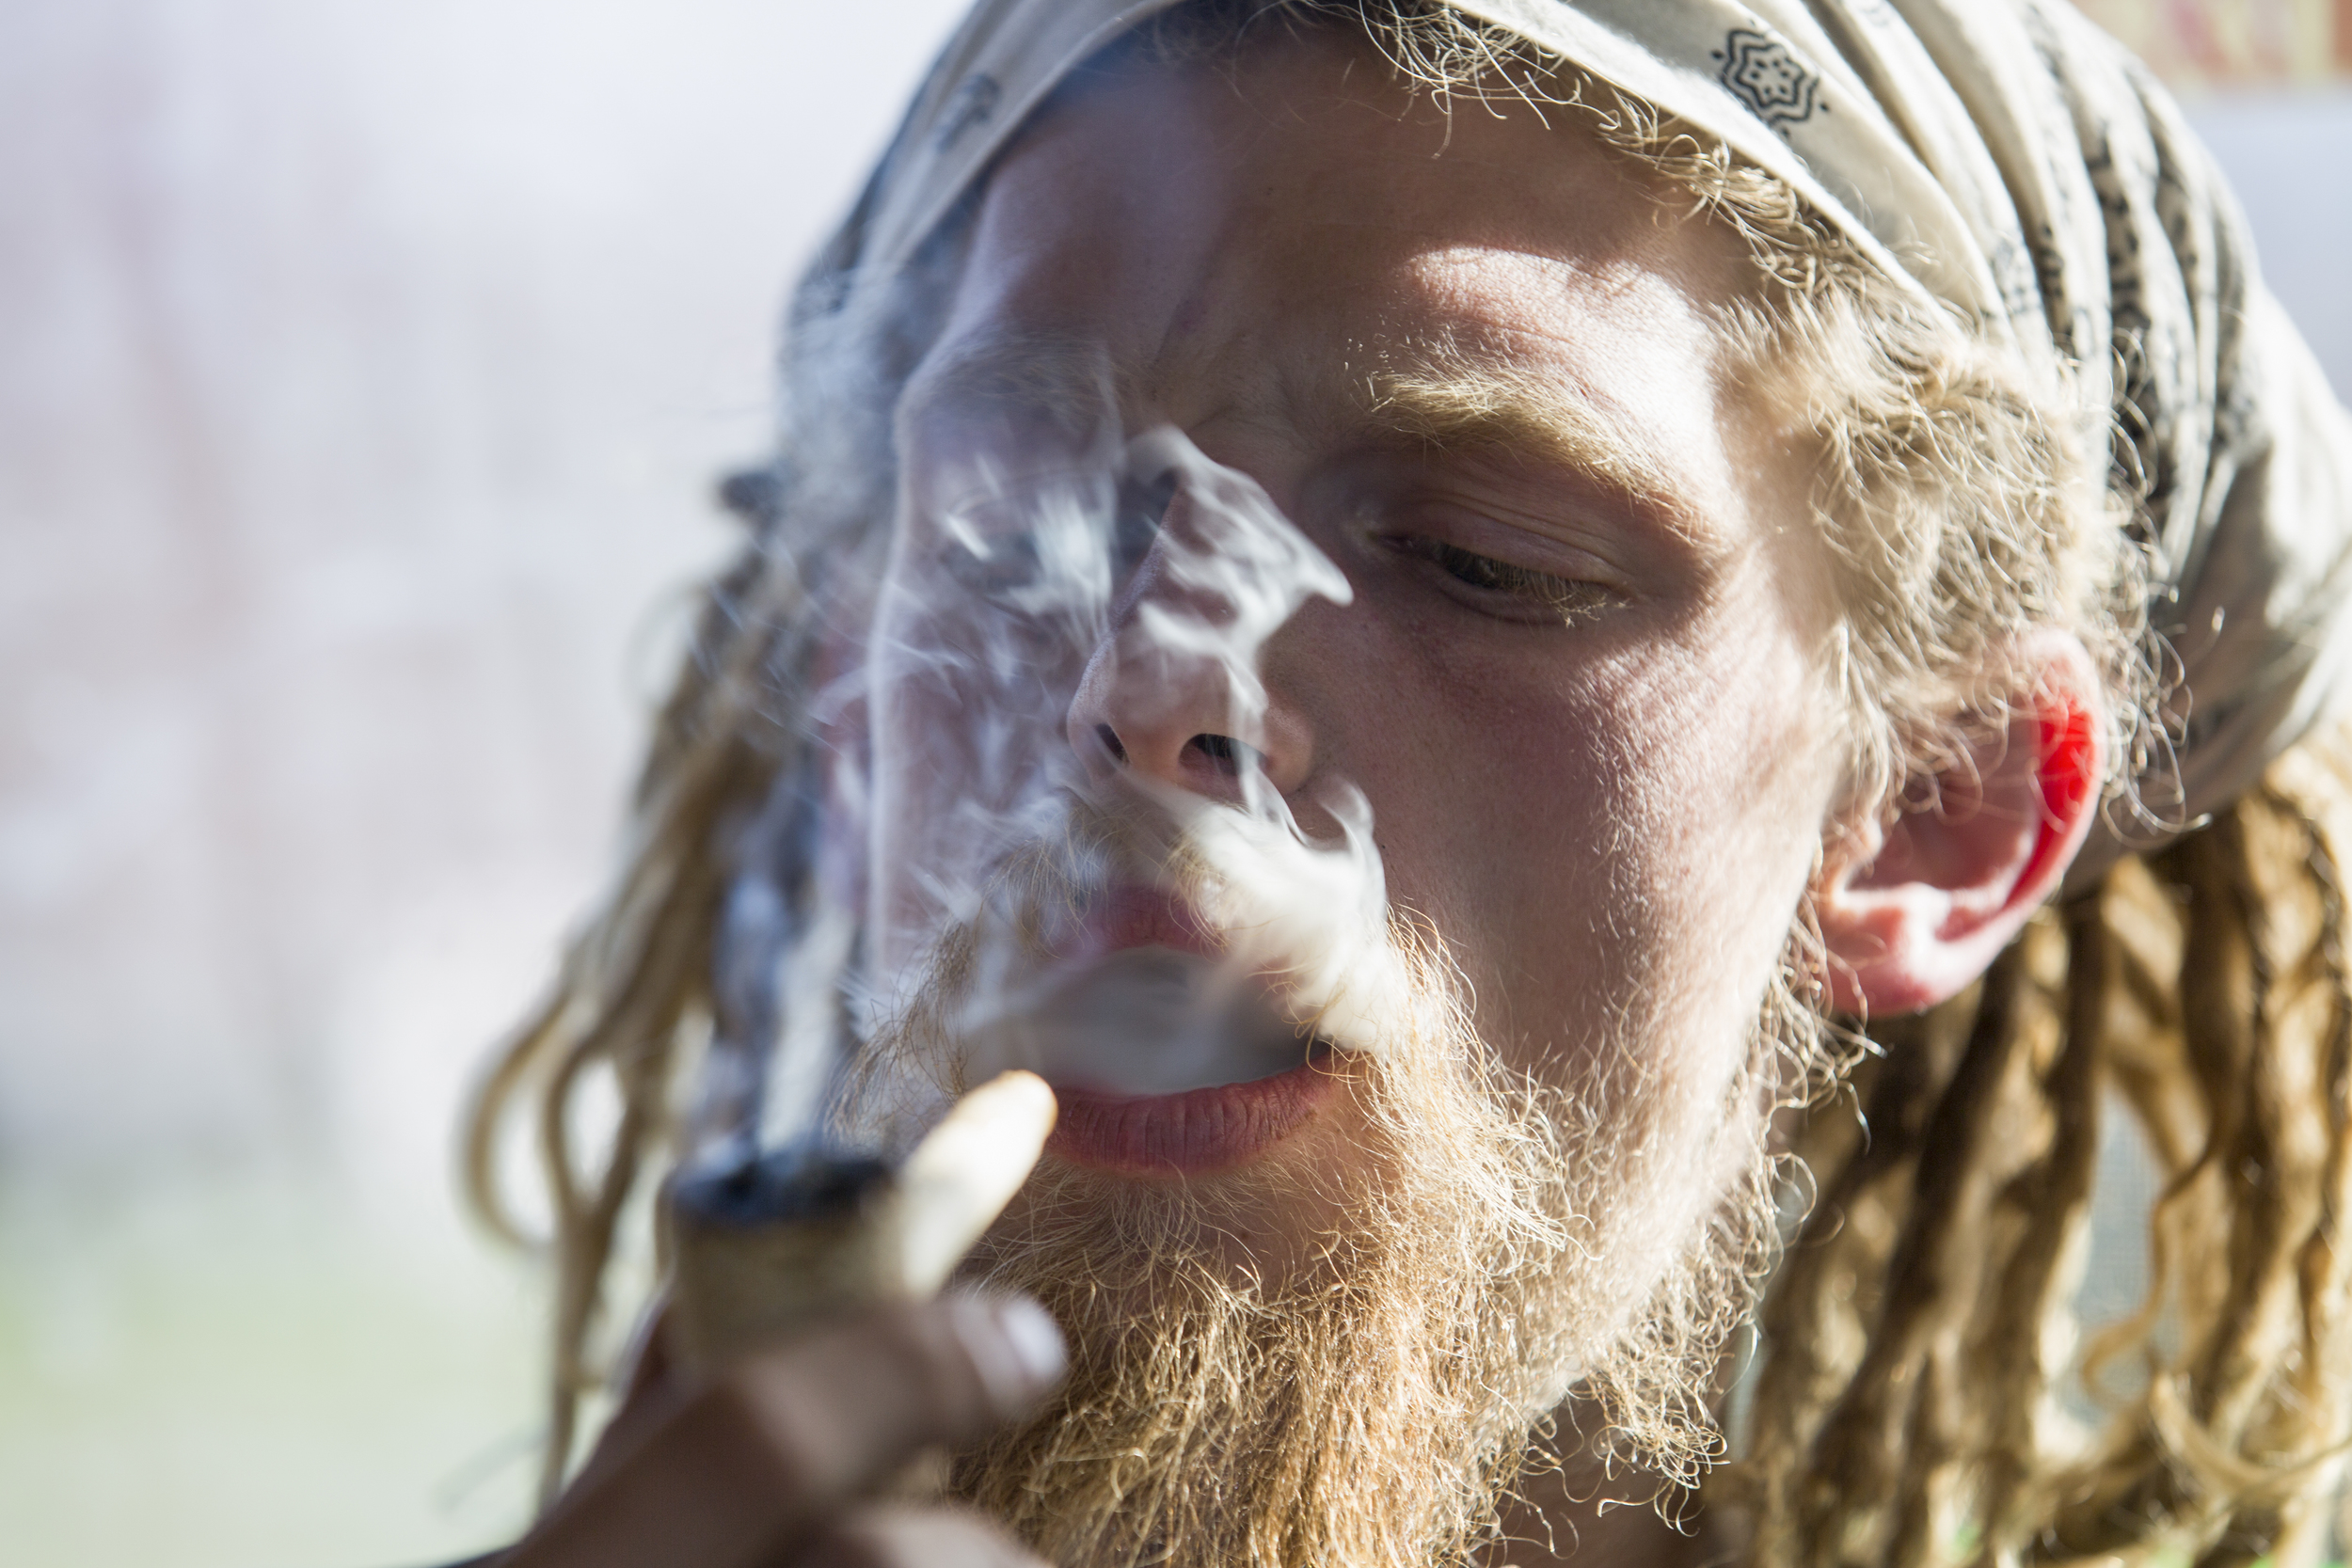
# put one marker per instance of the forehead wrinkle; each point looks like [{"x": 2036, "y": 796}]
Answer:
[{"x": 1200, "y": 381}]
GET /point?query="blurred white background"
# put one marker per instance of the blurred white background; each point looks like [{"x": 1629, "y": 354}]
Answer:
[{"x": 363, "y": 371}]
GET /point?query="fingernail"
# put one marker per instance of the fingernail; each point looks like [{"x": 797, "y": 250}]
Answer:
[{"x": 1034, "y": 1339}]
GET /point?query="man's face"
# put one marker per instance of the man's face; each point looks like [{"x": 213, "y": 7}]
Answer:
[
  {"x": 1473, "y": 360},
  {"x": 1455, "y": 513}
]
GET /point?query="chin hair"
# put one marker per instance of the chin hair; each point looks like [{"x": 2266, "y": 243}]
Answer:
[{"x": 1495, "y": 1263}]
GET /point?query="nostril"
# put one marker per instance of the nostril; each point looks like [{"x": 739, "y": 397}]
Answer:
[
  {"x": 1111, "y": 743},
  {"x": 1223, "y": 753}
]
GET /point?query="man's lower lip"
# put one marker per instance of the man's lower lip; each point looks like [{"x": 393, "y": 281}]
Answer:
[{"x": 1195, "y": 1133}]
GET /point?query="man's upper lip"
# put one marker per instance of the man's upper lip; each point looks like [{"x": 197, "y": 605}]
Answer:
[{"x": 1130, "y": 914}]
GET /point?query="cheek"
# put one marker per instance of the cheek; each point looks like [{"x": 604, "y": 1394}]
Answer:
[{"x": 1614, "y": 842}]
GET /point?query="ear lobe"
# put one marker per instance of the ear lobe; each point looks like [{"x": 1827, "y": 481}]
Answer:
[{"x": 1941, "y": 890}]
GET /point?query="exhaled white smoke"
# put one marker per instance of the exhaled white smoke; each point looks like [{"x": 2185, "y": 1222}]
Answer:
[{"x": 1145, "y": 568}]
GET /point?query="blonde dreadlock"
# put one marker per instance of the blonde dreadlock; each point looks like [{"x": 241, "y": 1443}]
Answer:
[
  {"x": 1908, "y": 1410},
  {"x": 633, "y": 991}
]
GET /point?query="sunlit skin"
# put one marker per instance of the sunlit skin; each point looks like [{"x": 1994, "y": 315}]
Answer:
[
  {"x": 1581, "y": 682},
  {"x": 1249, "y": 252}
]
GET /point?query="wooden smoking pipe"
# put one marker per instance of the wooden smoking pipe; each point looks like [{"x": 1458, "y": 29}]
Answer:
[{"x": 770, "y": 1247}]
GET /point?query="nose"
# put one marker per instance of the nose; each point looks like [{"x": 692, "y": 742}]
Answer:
[{"x": 1169, "y": 694}]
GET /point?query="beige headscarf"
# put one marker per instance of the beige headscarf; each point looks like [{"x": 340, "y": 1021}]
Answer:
[{"x": 2003, "y": 156}]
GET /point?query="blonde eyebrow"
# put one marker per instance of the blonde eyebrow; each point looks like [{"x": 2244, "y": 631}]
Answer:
[{"x": 1483, "y": 407}]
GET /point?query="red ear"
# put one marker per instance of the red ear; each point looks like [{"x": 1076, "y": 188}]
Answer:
[{"x": 1943, "y": 890}]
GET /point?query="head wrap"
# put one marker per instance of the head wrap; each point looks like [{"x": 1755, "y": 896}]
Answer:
[{"x": 2002, "y": 156}]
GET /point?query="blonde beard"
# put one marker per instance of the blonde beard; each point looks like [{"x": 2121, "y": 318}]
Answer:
[
  {"x": 1496, "y": 1245},
  {"x": 1375, "y": 1403}
]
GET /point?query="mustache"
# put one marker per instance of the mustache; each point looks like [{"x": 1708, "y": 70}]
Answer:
[
  {"x": 1116, "y": 954},
  {"x": 1104, "y": 837},
  {"x": 1141, "y": 941},
  {"x": 1156, "y": 941}
]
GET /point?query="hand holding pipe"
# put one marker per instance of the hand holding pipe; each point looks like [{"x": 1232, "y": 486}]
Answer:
[{"x": 757, "y": 1255}]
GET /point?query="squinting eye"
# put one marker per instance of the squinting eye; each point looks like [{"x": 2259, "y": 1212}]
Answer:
[
  {"x": 1057, "y": 545},
  {"x": 994, "y": 567},
  {"x": 1566, "y": 597},
  {"x": 992, "y": 545}
]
